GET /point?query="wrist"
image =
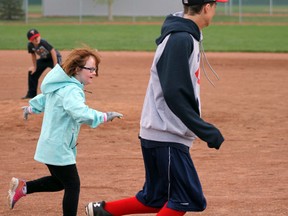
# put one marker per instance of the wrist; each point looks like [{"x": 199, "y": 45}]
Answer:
[
  {"x": 104, "y": 117},
  {"x": 29, "y": 109}
]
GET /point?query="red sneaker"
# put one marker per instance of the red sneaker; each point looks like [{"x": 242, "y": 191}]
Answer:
[{"x": 16, "y": 191}]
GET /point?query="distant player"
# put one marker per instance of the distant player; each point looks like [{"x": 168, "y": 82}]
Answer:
[{"x": 43, "y": 56}]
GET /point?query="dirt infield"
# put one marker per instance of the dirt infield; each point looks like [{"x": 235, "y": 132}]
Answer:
[{"x": 248, "y": 176}]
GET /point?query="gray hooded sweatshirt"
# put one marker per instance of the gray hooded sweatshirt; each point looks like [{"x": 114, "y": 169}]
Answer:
[{"x": 172, "y": 108}]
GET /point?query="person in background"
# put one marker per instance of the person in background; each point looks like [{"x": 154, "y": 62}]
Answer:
[
  {"x": 48, "y": 57},
  {"x": 63, "y": 102},
  {"x": 171, "y": 120}
]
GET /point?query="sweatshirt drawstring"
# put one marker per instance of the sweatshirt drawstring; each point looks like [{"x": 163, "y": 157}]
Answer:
[{"x": 202, "y": 54}]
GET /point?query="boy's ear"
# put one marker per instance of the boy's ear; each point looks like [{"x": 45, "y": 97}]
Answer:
[{"x": 205, "y": 8}]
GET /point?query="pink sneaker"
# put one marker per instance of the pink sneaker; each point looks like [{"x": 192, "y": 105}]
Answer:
[{"x": 16, "y": 191}]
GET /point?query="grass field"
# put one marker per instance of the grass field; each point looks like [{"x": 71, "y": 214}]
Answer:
[
  {"x": 130, "y": 37},
  {"x": 259, "y": 31}
]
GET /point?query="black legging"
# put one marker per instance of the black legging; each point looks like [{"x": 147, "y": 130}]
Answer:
[
  {"x": 62, "y": 177},
  {"x": 33, "y": 76}
]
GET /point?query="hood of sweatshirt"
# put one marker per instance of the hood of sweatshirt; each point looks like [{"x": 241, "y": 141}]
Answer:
[
  {"x": 176, "y": 23},
  {"x": 56, "y": 79}
]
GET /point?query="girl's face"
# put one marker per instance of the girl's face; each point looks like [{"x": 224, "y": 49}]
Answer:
[
  {"x": 87, "y": 72},
  {"x": 36, "y": 41}
]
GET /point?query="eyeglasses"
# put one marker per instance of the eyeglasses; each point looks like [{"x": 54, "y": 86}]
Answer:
[{"x": 91, "y": 69}]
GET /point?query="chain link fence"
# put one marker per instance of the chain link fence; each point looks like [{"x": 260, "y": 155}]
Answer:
[
  {"x": 235, "y": 12},
  {"x": 253, "y": 11}
]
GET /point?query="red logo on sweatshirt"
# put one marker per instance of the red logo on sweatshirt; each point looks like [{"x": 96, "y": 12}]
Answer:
[{"x": 197, "y": 74}]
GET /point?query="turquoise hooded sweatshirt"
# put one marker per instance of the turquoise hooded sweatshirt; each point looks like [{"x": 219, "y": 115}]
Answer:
[{"x": 63, "y": 102}]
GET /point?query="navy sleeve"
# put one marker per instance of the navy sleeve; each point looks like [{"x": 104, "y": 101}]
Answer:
[{"x": 174, "y": 75}]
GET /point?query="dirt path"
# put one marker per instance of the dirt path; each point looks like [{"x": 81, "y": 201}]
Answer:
[{"x": 248, "y": 176}]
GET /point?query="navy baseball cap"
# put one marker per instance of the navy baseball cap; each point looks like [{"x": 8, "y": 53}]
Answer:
[
  {"x": 201, "y": 2},
  {"x": 32, "y": 33}
]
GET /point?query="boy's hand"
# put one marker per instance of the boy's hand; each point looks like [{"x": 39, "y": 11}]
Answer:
[{"x": 31, "y": 70}]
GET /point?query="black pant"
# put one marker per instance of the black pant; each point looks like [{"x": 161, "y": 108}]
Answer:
[
  {"x": 41, "y": 66},
  {"x": 62, "y": 177}
]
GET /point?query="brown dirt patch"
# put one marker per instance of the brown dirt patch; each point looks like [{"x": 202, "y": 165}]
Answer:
[{"x": 247, "y": 176}]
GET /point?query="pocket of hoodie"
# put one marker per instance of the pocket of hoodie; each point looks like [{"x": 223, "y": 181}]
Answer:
[{"x": 72, "y": 142}]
